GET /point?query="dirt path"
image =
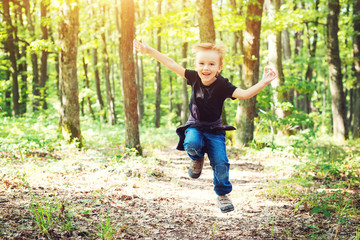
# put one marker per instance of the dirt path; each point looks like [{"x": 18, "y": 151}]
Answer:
[{"x": 153, "y": 201}]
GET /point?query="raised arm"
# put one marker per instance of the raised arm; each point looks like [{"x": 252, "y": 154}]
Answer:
[
  {"x": 165, "y": 60},
  {"x": 268, "y": 76}
]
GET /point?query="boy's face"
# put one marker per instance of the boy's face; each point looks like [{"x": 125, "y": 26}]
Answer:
[{"x": 207, "y": 65}]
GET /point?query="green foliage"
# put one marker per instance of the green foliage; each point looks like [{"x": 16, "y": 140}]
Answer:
[
  {"x": 33, "y": 133},
  {"x": 43, "y": 215},
  {"x": 106, "y": 228}
]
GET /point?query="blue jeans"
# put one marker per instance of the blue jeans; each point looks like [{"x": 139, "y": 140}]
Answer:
[{"x": 197, "y": 143}]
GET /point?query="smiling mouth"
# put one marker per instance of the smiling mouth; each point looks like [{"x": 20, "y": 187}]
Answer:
[{"x": 206, "y": 74}]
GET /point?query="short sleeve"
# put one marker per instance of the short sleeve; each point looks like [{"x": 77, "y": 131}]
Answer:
[
  {"x": 191, "y": 76},
  {"x": 228, "y": 89}
]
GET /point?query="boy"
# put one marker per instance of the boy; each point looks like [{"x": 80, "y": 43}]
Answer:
[{"x": 204, "y": 132}]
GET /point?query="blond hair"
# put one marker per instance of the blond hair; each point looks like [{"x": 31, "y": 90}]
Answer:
[{"x": 217, "y": 47}]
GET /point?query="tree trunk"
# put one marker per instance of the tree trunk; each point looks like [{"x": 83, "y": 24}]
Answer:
[
  {"x": 246, "y": 110},
  {"x": 206, "y": 21},
  {"x": 238, "y": 38},
  {"x": 96, "y": 73},
  {"x": 127, "y": 32},
  {"x": 21, "y": 50},
  {"x": 98, "y": 86},
  {"x": 10, "y": 49},
  {"x": 275, "y": 60},
  {"x": 140, "y": 85},
  {"x": 158, "y": 76},
  {"x": 68, "y": 41},
  {"x": 87, "y": 85},
  {"x": 34, "y": 60},
  {"x": 185, "y": 96},
  {"x": 355, "y": 126},
  {"x": 44, "y": 55},
  {"x": 23, "y": 85},
  {"x": 109, "y": 96},
  {"x": 207, "y": 31},
  {"x": 338, "y": 105},
  {"x": 286, "y": 44},
  {"x": 171, "y": 107}
]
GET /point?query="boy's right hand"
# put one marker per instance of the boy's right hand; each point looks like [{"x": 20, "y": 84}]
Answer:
[{"x": 140, "y": 46}]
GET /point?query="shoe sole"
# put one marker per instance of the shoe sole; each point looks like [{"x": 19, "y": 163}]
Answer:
[
  {"x": 193, "y": 175},
  {"x": 227, "y": 209}
]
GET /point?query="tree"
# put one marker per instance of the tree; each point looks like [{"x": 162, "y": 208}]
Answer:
[
  {"x": 247, "y": 108},
  {"x": 109, "y": 92},
  {"x": 304, "y": 103},
  {"x": 206, "y": 21},
  {"x": 96, "y": 71},
  {"x": 44, "y": 54},
  {"x": 158, "y": 76},
  {"x": 127, "y": 32},
  {"x": 275, "y": 61},
  {"x": 184, "y": 96},
  {"x": 356, "y": 46},
  {"x": 338, "y": 104},
  {"x": 68, "y": 41},
  {"x": 10, "y": 49},
  {"x": 207, "y": 31},
  {"x": 34, "y": 58}
]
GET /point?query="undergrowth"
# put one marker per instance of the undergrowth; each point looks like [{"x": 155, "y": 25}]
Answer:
[{"x": 325, "y": 181}]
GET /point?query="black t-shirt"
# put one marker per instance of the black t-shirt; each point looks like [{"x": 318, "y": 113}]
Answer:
[{"x": 207, "y": 101}]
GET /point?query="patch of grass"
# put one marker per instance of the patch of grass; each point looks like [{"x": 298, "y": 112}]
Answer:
[
  {"x": 43, "y": 215},
  {"x": 106, "y": 229},
  {"x": 326, "y": 166},
  {"x": 49, "y": 213}
]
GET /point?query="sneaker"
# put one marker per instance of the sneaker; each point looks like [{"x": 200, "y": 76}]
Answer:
[
  {"x": 225, "y": 204},
  {"x": 195, "y": 168}
]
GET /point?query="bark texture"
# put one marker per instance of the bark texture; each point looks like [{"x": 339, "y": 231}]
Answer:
[
  {"x": 132, "y": 139},
  {"x": 68, "y": 39},
  {"x": 338, "y": 104},
  {"x": 246, "y": 110}
]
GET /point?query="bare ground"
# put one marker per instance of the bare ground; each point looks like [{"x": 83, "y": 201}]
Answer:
[{"x": 156, "y": 200}]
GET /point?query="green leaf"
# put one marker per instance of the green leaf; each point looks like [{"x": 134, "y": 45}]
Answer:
[
  {"x": 316, "y": 210},
  {"x": 326, "y": 213}
]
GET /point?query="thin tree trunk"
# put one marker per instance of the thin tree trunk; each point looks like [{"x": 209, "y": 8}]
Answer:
[
  {"x": 238, "y": 38},
  {"x": 139, "y": 69},
  {"x": 34, "y": 60},
  {"x": 158, "y": 76},
  {"x": 22, "y": 67},
  {"x": 87, "y": 85},
  {"x": 246, "y": 110},
  {"x": 184, "y": 113},
  {"x": 68, "y": 39},
  {"x": 275, "y": 60},
  {"x": 10, "y": 49},
  {"x": 184, "y": 95},
  {"x": 98, "y": 86},
  {"x": 171, "y": 107},
  {"x": 43, "y": 55},
  {"x": 109, "y": 96},
  {"x": 132, "y": 139},
  {"x": 338, "y": 105}
]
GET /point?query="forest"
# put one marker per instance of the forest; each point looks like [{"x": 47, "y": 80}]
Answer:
[{"x": 87, "y": 124}]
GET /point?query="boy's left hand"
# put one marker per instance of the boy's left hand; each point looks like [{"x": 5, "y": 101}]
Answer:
[{"x": 269, "y": 75}]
